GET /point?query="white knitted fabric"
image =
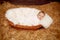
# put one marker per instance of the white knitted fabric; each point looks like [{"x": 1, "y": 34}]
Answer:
[{"x": 27, "y": 16}]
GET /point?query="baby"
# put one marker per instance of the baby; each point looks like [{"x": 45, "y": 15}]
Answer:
[
  {"x": 45, "y": 19},
  {"x": 41, "y": 15}
]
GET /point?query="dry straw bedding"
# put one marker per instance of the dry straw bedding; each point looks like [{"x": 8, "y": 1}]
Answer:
[{"x": 51, "y": 33}]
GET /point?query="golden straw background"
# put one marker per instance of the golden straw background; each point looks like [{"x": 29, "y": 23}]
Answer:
[{"x": 52, "y": 33}]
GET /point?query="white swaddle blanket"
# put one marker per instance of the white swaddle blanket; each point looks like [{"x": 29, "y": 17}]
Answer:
[{"x": 27, "y": 16}]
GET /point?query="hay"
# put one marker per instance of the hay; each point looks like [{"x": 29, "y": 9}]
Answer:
[{"x": 52, "y": 33}]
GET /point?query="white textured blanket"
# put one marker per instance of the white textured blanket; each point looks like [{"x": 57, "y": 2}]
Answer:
[{"x": 27, "y": 16}]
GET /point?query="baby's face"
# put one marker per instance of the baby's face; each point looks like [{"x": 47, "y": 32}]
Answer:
[{"x": 41, "y": 15}]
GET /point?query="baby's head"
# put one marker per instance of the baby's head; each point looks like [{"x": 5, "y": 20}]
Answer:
[{"x": 41, "y": 15}]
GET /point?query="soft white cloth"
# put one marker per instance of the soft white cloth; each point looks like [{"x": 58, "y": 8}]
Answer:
[
  {"x": 46, "y": 21},
  {"x": 27, "y": 16}
]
